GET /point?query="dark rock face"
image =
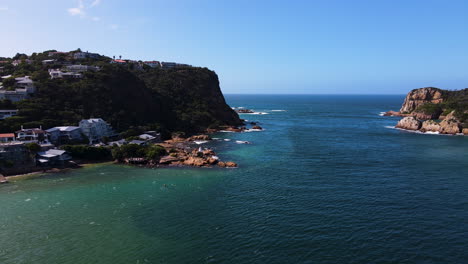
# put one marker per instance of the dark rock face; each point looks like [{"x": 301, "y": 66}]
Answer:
[
  {"x": 191, "y": 99},
  {"x": 418, "y": 97}
]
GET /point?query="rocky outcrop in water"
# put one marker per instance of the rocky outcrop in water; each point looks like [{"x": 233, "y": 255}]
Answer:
[
  {"x": 423, "y": 107},
  {"x": 409, "y": 123}
]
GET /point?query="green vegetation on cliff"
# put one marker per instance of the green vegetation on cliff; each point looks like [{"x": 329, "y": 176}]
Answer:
[{"x": 128, "y": 97}]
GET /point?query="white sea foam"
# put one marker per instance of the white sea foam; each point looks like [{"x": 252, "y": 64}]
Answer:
[
  {"x": 226, "y": 131},
  {"x": 253, "y": 130},
  {"x": 254, "y": 113},
  {"x": 382, "y": 113},
  {"x": 199, "y": 142},
  {"x": 227, "y": 139},
  {"x": 420, "y": 132},
  {"x": 242, "y": 142}
]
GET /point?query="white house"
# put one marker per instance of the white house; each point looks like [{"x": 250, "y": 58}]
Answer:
[
  {"x": 31, "y": 135},
  {"x": 95, "y": 129},
  {"x": 58, "y": 74},
  {"x": 26, "y": 83}
]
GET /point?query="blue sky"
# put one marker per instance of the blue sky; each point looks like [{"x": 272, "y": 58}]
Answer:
[{"x": 359, "y": 47}]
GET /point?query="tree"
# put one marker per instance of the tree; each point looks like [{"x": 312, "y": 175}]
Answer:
[{"x": 33, "y": 147}]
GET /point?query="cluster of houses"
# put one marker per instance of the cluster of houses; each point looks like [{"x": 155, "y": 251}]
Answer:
[{"x": 93, "y": 131}]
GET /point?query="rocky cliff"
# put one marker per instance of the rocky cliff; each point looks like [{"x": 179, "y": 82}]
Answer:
[
  {"x": 432, "y": 109},
  {"x": 419, "y": 97}
]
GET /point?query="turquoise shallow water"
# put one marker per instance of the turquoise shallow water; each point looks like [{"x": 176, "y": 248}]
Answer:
[{"x": 326, "y": 182}]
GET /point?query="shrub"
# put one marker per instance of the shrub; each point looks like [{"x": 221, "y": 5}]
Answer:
[{"x": 88, "y": 152}]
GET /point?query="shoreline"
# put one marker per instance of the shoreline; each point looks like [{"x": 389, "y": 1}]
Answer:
[
  {"x": 187, "y": 158},
  {"x": 38, "y": 174}
]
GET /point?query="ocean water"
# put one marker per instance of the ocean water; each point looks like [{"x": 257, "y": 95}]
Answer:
[{"x": 327, "y": 182}]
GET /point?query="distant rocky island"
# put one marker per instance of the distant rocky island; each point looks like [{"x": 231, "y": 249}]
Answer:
[{"x": 434, "y": 110}]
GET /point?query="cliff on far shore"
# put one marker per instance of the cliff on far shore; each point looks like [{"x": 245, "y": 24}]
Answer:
[{"x": 436, "y": 110}]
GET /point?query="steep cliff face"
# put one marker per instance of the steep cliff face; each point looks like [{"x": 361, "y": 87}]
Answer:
[
  {"x": 191, "y": 99},
  {"x": 419, "y": 97}
]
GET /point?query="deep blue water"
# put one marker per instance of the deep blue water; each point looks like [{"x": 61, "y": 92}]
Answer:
[{"x": 326, "y": 182}]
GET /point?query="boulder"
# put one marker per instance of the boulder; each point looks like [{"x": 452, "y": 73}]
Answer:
[
  {"x": 450, "y": 126},
  {"x": 231, "y": 164},
  {"x": 465, "y": 131},
  {"x": 430, "y": 125},
  {"x": 257, "y": 127},
  {"x": 409, "y": 123},
  {"x": 222, "y": 164},
  {"x": 195, "y": 161}
]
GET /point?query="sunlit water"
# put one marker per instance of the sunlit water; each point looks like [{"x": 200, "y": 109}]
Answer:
[{"x": 326, "y": 182}]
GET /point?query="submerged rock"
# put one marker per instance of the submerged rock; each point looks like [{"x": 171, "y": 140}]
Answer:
[{"x": 409, "y": 123}]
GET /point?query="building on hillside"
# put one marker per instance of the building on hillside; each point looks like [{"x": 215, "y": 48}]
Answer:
[
  {"x": 153, "y": 64},
  {"x": 85, "y": 55},
  {"x": 58, "y": 74},
  {"x": 168, "y": 65},
  {"x": 118, "y": 143},
  {"x": 119, "y": 61},
  {"x": 2, "y": 69},
  {"x": 95, "y": 129},
  {"x": 56, "y": 53},
  {"x": 14, "y": 96},
  {"x": 7, "y": 113},
  {"x": 25, "y": 83},
  {"x": 24, "y": 86},
  {"x": 18, "y": 62},
  {"x": 53, "y": 157},
  {"x": 36, "y": 135},
  {"x": 7, "y": 137},
  {"x": 150, "y": 138},
  {"x": 64, "y": 134},
  {"x": 48, "y": 62},
  {"x": 81, "y": 68}
]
